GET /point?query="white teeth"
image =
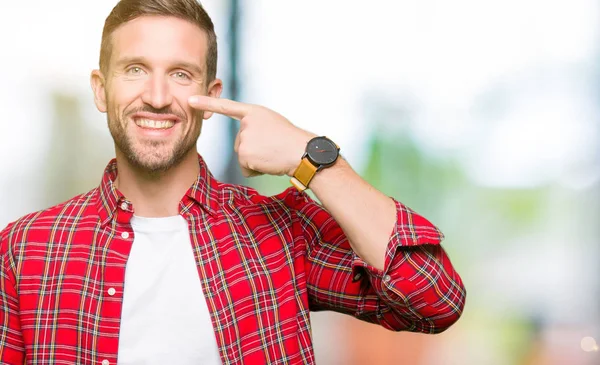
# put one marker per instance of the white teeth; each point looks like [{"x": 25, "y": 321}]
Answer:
[{"x": 156, "y": 124}]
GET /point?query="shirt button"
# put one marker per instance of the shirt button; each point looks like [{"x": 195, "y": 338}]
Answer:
[
  {"x": 386, "y": 278},
  {"x": 125, "y": 235},
  {"x": 357, "y": 277},
  {"x": 111, "y": 291},
  {"x": 124, "y": 206},
  {"x": 105, "y": 362}
]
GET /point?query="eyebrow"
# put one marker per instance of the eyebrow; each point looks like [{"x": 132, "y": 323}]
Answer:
[{"x": 143, "y": 61}]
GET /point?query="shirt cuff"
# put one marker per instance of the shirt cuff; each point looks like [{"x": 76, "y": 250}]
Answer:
[{"x": 410, "y": 229}]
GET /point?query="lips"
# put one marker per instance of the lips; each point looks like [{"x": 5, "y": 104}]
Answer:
[
  {"x": 154, "y": 124},
  {"x": 155, "y": 121}
]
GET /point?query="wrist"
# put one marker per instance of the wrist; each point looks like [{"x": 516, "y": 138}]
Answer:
[
  {"x": 299, "y": 151},
  {"x": 320, "y": 153}
]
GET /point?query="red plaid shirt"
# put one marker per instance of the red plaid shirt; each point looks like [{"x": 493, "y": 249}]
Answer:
[{"x": 264, "y": 263}]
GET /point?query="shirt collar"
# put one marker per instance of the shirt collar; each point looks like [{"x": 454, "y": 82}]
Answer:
[{"x": 113, "y": 204}]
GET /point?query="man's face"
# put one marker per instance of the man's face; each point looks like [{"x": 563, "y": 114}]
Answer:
[{"x": 156, "y": 64}]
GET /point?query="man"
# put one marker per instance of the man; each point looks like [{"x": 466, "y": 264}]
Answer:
[{"x": 163, "y": 264}]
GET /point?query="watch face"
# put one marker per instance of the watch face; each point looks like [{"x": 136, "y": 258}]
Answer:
[{"x": 322, "y": 151}]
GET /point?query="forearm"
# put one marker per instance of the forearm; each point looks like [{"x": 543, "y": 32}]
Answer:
[
  {"x": 418, "y": 290},
  {"x": 366, "y": 215}
]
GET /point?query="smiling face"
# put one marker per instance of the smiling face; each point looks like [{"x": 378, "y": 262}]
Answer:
[{"x": 156, "y": 64}]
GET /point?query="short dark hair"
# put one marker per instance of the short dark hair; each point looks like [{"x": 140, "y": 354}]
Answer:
[{"x": 190, "y": 10}]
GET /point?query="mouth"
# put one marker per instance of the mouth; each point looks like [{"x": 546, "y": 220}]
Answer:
[
  {"x": 154, "y": 124},
  {"x": 154, "y": 121}
]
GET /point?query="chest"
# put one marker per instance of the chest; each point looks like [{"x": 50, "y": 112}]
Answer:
[{"x": 71, "y": 286}]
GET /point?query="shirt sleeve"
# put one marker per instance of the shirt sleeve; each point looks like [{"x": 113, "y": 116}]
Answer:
[
  {"x": 11, "y": 340},
  {"x": 418, "y": 290}
]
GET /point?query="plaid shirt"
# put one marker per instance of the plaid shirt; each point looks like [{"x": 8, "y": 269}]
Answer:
[{"x": 264, "y": 263}]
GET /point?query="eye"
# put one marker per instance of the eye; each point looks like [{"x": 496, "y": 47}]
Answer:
[
  {"x": 135, "y": 70},
  {"x": 181, "y": 75}
]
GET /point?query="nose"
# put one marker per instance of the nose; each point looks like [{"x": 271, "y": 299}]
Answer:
[{"x": 157, "y": 93}]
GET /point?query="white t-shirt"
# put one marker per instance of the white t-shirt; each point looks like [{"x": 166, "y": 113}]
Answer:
[{"x": 165, "y": 319}]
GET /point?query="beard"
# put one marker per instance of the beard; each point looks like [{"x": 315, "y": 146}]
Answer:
[{"x": 150, "y": 156}]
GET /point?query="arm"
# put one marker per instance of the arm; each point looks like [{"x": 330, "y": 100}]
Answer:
[
  {"x": 366, "y": 216},
  {"x": 410, "y": 279},
  {"x": 11, "y": 340},
  {"x": 418, "y": 289}
]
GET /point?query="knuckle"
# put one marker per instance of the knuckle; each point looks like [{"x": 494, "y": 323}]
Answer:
[{"x": 241, "y": 152}]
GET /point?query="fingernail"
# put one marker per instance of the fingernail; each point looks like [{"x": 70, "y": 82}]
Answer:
[{"x": 193, "y": 100}]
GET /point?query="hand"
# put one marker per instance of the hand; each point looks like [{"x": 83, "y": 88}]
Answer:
[{"x": 267, "y": 143}]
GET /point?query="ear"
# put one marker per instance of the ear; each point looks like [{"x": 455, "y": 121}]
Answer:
[
  {"x": 214, "y": 90},
  {"x": 97, "y": 82}
]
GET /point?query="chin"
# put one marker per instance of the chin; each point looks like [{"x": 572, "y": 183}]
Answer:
[
  {"x": 152, "y": 161},
  {"x": 158, "y": 158}
]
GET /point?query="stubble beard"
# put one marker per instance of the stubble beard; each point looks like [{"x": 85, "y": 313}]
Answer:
[{"x": 150, "y": 157}]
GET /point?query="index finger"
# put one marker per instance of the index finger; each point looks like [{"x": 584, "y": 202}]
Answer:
[{"x": 230, "y": 108}]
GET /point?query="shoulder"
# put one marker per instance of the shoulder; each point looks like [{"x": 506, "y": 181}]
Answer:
[
  {"x": 289, "y": 203},
  {"x": 39, "y": 225},
  {"x": 244, "y": 196}
]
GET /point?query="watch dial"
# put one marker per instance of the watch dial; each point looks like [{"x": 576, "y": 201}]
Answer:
[{"x": 322, "y": 151}]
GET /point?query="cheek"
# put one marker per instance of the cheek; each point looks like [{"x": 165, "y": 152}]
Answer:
[
  {"x": 122, "y": 95},
  {"x": 130, "y": 91},
  {"x": 181, "y": 95}
]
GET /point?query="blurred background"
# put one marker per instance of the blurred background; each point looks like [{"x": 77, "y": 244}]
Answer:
[{"x": 484, "y": 116}]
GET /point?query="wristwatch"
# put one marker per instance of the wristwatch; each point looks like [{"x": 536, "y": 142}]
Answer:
[{"x": 321, "y": 152}]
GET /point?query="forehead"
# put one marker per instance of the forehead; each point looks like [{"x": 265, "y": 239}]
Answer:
[{"x": 160, "y": 38}]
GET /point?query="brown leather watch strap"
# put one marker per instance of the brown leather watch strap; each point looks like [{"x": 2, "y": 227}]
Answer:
[{"x": 303, "y": 174}]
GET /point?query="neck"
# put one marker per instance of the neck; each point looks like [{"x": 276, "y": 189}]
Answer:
[{"x": 156, "y": 194}]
